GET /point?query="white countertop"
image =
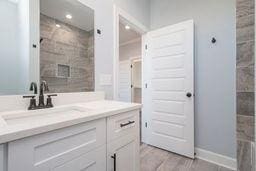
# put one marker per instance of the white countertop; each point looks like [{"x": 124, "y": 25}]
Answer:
[{"x": 45, "y": 123}]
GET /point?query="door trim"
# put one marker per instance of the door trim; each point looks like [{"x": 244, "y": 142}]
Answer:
[{"x": 119, "y": 15}]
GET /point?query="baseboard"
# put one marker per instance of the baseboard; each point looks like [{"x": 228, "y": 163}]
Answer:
[{"x": 215, "y": 158}]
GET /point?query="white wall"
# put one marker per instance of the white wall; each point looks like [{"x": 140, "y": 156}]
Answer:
[
  {"x": 215, "y": 116},
  {"x": 130, "y": 50},
  {"x": 139, "y": 9},
  {"x": 9, "y": 78},
  {"x": 104, "y": 43}
]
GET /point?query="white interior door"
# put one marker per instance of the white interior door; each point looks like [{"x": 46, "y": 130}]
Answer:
[
  {"x": 124, "y": 90},
  {"x": 170, "y": 88}
]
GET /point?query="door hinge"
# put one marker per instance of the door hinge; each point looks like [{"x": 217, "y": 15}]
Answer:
[
  {"x": 131, "y": 66},
  {"x": 146, "y": 124},
  {"x": 131, "y": 86},
  {"x": 146, "y": 85},
  {"x": 146, "y": 47}
]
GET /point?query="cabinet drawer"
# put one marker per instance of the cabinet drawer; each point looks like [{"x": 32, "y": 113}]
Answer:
[
  {"x": 123, "y": 124},
  {"x": 49, "y": 150}
]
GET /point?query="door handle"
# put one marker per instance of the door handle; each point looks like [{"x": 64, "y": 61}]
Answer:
[
  {"x": 189, "y": 94},
  {"x": 114, "y": 157}
]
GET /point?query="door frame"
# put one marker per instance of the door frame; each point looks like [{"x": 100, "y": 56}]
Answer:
[
  {"x": 122, "y": 15},
  {"x": 133, "y": 59}
]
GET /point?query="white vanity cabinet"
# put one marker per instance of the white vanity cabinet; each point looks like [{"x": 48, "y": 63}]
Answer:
[
  {"x": 76, "y": 148},
  {"x": 3, "y": 160},
  {"x": 123, "y": 142},
  {"x": 99, "y": 145}
]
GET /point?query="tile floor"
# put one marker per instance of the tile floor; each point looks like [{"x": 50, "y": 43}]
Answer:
[{"x": 154, "y": 159}]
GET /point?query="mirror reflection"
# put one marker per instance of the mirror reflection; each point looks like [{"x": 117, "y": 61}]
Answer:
[
  {"x": 67, "y": 46},
  {"x": 14, "y": 47},
  {"x": 56, "y": 47}
]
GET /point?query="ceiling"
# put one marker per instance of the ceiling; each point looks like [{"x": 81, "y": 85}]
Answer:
[
  {"x": 127, "y": 35},
  {"x": 82, "y": 16}
]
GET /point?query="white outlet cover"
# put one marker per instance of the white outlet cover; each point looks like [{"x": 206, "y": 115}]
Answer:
[{"x": 105, "y": 79}]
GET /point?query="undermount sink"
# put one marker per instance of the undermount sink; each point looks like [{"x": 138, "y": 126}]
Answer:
[{"x": 43, "y": 115}]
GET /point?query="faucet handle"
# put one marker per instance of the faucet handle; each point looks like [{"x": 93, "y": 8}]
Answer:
[
  {"x": 49, "y": 100},
  {"x": 29, "y": 97},
  {"x": 32, "y": 104}
]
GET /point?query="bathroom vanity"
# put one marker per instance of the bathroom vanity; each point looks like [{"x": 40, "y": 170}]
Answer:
[
  {"x": 53, "y": 44},
  {"x": 95, "y": 135}
]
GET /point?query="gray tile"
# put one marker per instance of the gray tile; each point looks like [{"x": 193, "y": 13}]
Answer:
[
  {"x": 245, "y": 54},
  {"x": 253, "y": 155},
  {"x": 224, "y": 169},
  {"x": 145, "y": 149},
  {"x": 245, "y": 127},
  {"x": 245, "y": 103},
  {"x": 245, "y": 79},
  {"x": 152, "y": 160},
  {"x": 67, "y": 45},
  {"x": 244, "y": 7},
  {"x": 245, "y": 34},
  {"x": 245, "y": 21},
  {"x": 200, "y": 165},
  {"x": 244, "y": 156},
  {"x": 170, "y": 163}
]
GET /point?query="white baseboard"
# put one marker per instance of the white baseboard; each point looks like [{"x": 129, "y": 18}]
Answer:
[{"x": 215, "y": 158}]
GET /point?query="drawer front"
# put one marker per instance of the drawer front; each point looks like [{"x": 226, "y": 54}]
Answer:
[
  {"x": 123, "y": 124},
  {"x": 46, "y": 151}
]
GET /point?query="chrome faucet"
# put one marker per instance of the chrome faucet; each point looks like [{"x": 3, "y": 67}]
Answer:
[{"x": 43, "y": 87}]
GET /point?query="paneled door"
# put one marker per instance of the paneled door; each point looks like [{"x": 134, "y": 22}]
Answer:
[
  {"x": 125, "y": 90},
  {"x": 170, "y": 88}
]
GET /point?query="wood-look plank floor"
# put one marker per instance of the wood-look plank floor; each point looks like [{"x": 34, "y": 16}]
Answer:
[{"x": 155, "y": 159}]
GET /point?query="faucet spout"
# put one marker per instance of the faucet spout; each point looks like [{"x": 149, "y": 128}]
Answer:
[
  {"x": 43, "y": 87},
  {"x": 33, "y": 87}
]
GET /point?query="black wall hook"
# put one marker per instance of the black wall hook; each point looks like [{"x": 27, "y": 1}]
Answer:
[{"x": 214, "y": 40}]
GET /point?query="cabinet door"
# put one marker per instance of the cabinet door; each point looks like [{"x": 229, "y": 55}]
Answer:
[
  {"x": 60, "y": 149},
  {"x": 123, "y": 154},
  {"x": 3, "y": 159},
  {"x": 91, "y": 161}
]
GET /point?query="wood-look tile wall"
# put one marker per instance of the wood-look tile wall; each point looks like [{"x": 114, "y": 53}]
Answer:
[
  {"x": 245, "y": 85},
  {"x": 69, "y": 46}
]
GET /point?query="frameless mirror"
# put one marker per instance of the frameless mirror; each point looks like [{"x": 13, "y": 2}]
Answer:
[
  {"x": 52, "y": 42},
  {"x": 67, "y": 46}
]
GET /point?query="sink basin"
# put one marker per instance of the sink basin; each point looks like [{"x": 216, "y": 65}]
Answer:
[{"x": 44, "y": 115}]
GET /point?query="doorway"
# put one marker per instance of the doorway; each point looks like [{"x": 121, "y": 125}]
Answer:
[
  {"x": 130, "y": 72},
  {"x": 166, "y": 65}
]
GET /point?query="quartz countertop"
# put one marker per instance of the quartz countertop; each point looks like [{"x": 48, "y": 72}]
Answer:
[{"x": 45, "y": 122}]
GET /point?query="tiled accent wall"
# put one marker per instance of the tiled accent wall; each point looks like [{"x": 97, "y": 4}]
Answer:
[
  {"x": 67, "y": 46},
  {"x": 245, "y": 85}
]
